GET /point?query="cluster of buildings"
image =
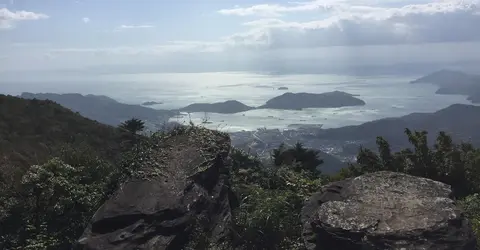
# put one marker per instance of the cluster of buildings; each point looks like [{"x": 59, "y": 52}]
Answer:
[{"x": 262, "y": 141}]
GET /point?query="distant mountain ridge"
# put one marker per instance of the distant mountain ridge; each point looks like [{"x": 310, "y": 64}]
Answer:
[
  {"x": 447, "y": 77},
  {"x": 452, "y": 82},
  {"x": 102, "y": 108},
  {"x": 461, "y": 121}
]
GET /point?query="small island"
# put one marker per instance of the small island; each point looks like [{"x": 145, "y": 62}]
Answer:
[
  {"x": 298, "y": 101},
  {"x": 151, "y": 103},
  {"x": 227, "y": 107},
  {"x": 283, "y": 88}
]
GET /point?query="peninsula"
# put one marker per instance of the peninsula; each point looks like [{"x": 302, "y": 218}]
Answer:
[{"x": 454, "y": 83}]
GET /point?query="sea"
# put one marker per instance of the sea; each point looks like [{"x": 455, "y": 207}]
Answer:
[{"x": 385, "y": 96}]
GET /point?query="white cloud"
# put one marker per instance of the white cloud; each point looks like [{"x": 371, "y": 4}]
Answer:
[
  {"x": 9, "y": 18},
  {"x": 276, "y": 10},
  {"x": 347, "y": 25},
  {"x": 86, "y": 20},
  {"x": 129, "y": 27}
]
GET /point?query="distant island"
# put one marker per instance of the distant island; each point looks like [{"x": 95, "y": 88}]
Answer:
[
  {"x": 298, "y": 101},
  {"x": 150, "y": 103},
  {"x": 227, "y": 107},
  {"x": 287, "y": 101},
  {"x": 283, "y": 88},
  {"x": 452, "y": 82}
]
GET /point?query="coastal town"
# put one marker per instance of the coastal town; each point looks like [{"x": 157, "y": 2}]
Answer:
[{"x": 262, "y": 141}]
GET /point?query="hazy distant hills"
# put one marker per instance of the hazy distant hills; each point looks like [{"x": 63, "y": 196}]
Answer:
[
  {"x": 454, "y": 83},
  {"x": 459, "y": 120},
  {"x": 446, "y": 77},
  {"x": 104, "y": 109},
  {"x": 287, "y": 101}
]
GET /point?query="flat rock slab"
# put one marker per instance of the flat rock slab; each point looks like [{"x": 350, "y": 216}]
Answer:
[
  {"x": 385, "y": 210},
  {"x": 180, "y": 197}
]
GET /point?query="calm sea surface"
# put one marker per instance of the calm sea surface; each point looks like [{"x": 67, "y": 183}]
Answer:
[{"x": 386, "y": 96}]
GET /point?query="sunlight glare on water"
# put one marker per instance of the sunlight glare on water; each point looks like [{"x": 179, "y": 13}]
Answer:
[{"x": 387, "y": 96}]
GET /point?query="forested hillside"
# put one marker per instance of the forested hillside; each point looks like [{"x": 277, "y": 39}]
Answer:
[{"x": 32, "y": 131}]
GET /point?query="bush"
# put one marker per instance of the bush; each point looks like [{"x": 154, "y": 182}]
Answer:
[
  {"x": 271, "y": 198},
  {"x": 471, "y": 206},
  {"x": 455, "y": 164},
  {"x": 54, "y": 202}
]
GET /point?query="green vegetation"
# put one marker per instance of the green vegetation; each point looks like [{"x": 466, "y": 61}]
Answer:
[
  {"x": 57, "y": 168},
  {"x": 271, "y": 196},
  {"x": 455, "y": 164},
  {"x": 34, "y": 131},
  {"x": 54, "y": 202}
]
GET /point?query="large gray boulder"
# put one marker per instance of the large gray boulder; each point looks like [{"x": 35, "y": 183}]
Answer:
[
  {"x": 180, "y": 199},
  {"x": 385, "y": 210}
]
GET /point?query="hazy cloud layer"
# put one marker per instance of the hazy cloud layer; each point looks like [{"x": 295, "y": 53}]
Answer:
[{"x": 351, "y": 25}]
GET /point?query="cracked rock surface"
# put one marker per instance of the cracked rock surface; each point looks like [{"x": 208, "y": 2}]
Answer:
[
  {"x": 385, "y": 210},
  {"x": 179, "y": 199}
]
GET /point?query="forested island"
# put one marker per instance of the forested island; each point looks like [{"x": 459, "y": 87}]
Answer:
[{"x": 287, "y": 101}]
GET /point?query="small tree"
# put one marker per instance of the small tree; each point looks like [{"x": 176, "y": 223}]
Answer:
[
  {"x": 298, "y": 157},
  {"x": 133, "y": 125}
]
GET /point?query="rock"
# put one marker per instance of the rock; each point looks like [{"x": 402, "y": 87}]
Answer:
[
  {"x": 385, "y": 210},
  {"x": 182, "y": 202}
]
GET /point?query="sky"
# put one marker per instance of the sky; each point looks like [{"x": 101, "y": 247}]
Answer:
[{"x": 216, "y": 35}]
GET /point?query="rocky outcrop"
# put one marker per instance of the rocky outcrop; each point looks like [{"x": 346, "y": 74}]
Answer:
[
  {"x": 180, "y": 199},
  {"x": 385, "y": 210}
]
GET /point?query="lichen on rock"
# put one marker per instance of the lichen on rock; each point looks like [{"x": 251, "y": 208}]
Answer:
[{"x": 385, "y": 210}]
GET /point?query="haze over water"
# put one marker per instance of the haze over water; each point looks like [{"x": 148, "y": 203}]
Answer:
[{"x": 386, "y": 96}]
